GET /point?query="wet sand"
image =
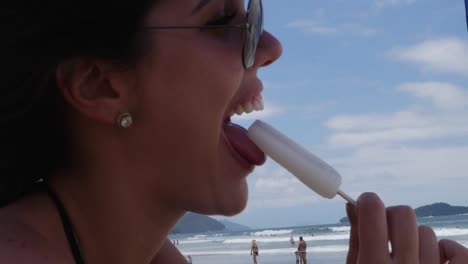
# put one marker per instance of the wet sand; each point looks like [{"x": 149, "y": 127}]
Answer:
[{"x": 331, "y": 258}]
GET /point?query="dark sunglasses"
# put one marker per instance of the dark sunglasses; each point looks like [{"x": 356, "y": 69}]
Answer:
[{"x": 252, "y": 27}]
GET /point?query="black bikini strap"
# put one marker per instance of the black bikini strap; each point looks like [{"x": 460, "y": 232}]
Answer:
[{"x": 67, "y": 227}]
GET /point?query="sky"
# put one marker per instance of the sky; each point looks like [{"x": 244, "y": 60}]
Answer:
[{"x": 379, "y": 90}]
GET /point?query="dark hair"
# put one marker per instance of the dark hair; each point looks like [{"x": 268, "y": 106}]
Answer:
[{"x": 36, "y": 37}]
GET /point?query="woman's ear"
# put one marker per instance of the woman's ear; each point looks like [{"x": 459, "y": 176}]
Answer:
[{"x": 94, "y": 88}]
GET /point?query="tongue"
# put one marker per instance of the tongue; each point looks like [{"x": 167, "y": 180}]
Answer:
[{"x": 237, "y": 135}]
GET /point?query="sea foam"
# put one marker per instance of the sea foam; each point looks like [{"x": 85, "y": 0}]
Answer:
[{"x": 317, "y": 250}]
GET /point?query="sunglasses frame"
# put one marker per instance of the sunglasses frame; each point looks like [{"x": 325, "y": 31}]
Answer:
[
  {"x": 466, "y": 12},
  {"x": 248, "y": 54}
]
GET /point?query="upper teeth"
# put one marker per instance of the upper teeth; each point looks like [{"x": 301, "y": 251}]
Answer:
[{"x": 256, "y": 104}]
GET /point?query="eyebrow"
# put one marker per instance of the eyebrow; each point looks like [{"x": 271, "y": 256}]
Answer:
[{"x": 200, "y": 5}]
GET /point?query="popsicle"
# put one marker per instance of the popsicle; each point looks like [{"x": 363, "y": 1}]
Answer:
[{"x": 308, "y": 168}]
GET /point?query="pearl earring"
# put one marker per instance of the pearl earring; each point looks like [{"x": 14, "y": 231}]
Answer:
[{"x": 125, "y": 120}]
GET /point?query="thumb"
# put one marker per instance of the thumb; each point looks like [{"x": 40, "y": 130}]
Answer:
[
  {"x": 353, "y": 252},
  {"x": 452, "y": 251}
]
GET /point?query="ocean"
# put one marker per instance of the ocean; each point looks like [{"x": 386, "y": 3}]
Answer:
[{"x": 326, "y": 243}]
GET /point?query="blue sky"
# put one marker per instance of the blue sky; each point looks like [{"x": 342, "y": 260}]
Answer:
[{"x": 378, "y": 89}]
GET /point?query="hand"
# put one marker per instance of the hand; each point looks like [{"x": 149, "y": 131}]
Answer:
[
  {"x": 373, "y": 226},
  {"x": 452, "y": 252}
]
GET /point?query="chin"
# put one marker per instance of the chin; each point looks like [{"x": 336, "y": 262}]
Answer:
[
  {"x": 226, "y": 201},
  {"x": 233, "y": 210},
  {"x": 233, "y": 202}
]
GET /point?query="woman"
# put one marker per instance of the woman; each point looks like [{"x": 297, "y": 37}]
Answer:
[
  {"x": 110, "y": 108},
  {"x": 254, "y": 251}
]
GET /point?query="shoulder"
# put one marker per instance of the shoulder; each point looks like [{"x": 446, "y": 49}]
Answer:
[{"x": 19, "y": 243}]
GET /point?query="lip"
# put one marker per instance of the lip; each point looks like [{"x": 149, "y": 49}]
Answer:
[{"x": 242, "y": 161}]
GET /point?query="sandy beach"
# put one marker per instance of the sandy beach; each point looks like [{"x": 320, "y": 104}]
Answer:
[{"x": 269, "y": 259}]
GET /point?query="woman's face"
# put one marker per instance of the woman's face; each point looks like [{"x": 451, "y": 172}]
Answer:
[{"x": 186, "y": 85}]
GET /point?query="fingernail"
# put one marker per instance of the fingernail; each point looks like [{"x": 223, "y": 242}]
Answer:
[{"x": 367, "y": 196}]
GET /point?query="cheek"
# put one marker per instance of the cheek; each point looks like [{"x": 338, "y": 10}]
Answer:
[
  {"x": 185, "y": 88},
  {"x": 196, "y": 78},
  {"x": 200, "y": 70}
]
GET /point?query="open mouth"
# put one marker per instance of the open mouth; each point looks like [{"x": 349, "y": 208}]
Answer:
[{"x": 242, "y": 148}]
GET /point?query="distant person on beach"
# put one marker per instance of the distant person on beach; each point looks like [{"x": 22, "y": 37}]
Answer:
[
  {"x": 302, "y": 248},
  {"x": 254, "y": 251},
  {"x": 111, "y": 107},
  {"x": 291, "y": 240}
]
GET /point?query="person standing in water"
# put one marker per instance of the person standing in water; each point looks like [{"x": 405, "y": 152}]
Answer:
[
  {"x": 254, "y": 251},
  {"x": 301, "y": 248}
]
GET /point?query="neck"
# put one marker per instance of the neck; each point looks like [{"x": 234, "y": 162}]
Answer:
[{"x": 114, "y": 223}]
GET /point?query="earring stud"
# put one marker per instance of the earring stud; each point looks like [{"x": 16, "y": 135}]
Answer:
[{"x": 125, "y": 120}]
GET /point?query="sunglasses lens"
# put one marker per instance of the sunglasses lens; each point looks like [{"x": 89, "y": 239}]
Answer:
[{"x": 253, "y": 32}]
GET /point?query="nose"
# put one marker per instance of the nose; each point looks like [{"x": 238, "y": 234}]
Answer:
[{"x": 269, "y": 49}]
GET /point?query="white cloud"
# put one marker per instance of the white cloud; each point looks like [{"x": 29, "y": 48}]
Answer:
[
  {"x": 445, "y": 96},
  {"x": 274, "y": 187},
  {"x": 316, "y": 26},
  {"x": 385, "y": 164},
  {"x": 310, "y": 26},
  {"x": 446, "y": 55},
  {"x": 442, "y": 116},
  {"x": 416, "y": 155},
  {"x": 365, "y": 122},
  {"x": 358, "y": 29},
  {"x": 384, "y": 3}
]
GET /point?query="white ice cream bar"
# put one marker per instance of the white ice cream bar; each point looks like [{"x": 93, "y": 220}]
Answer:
[{"x": 309, "y": 169}]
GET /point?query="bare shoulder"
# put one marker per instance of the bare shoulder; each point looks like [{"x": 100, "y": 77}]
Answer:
[{"x": 19, "y": 243}]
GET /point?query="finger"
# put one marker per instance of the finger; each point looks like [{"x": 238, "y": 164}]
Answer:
[
  {"x": 372, "y": 229},
  {"x": 452, "y": 251},
  {"x": 428, "y": 246},
  {"x": 353, "y": 252},
  {"x": 403, "y": 232}
]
